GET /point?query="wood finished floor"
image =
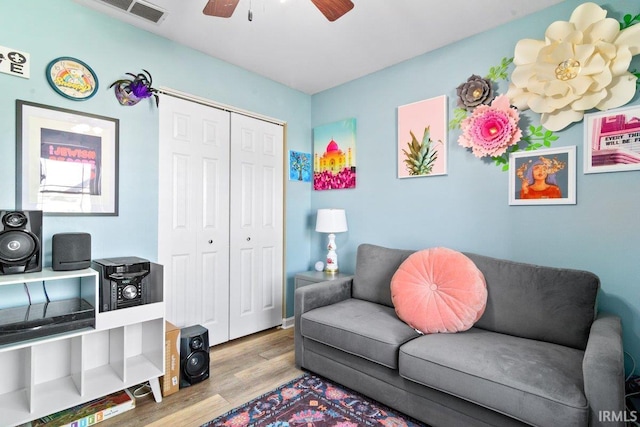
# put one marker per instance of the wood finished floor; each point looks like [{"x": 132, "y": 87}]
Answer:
[{"x": 240, "y": 370}]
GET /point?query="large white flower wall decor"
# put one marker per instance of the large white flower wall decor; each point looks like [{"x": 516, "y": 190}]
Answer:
[{"x": 580, "y": 65}]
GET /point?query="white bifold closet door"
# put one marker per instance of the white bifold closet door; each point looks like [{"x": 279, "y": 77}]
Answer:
[
  {"x": 193, "y": 217},
  {"x": 220, "y": 222},
  {"x": 256, "y": 243}
]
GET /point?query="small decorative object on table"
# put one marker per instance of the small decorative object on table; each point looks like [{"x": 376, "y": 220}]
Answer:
[{"x": 131, "y": 91}]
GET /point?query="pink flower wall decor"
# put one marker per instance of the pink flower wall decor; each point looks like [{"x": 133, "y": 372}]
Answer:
[{"x": 491, "y": 129}]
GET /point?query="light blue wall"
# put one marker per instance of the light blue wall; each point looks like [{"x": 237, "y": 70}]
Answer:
[
  {"x": 49, "y": 29},
  {"x": 468, "y": 209}
]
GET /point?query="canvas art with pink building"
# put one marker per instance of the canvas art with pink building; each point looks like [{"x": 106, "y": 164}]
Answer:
[{"x": 334, "y": 155}]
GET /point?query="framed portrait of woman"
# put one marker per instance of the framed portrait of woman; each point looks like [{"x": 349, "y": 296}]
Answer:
[{"x": 543, "y": 177}]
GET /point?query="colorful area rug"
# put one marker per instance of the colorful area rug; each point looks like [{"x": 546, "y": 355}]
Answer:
[{"x": 312, "y": 401}]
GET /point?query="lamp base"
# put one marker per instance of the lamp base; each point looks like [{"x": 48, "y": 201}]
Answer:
[{"x": 332, "y": 256}]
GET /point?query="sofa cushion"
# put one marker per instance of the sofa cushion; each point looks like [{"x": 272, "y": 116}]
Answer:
[
  {"x": 438, "y": 290},
  {"x": 365, "y": 329},
  {"x": 536, "y": 382},
  {"x": 549, "y": 304},
  {"x": 375, "y": 266}
]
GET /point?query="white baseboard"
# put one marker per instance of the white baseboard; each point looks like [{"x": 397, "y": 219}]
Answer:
[{"x": 287, "y": 323}]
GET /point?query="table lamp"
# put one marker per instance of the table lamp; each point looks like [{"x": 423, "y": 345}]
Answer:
[{"x": 331, "y": 221}]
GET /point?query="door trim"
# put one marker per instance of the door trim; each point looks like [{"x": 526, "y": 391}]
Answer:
[{"x": 225, "y": 107}]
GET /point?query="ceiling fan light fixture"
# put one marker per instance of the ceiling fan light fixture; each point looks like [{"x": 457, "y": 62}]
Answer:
[
  {"x": 220, "y": 8},
  {"x": 333, "y": 9}
]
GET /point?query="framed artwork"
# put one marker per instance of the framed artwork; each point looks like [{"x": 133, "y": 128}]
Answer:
[
  {"x": 67, "y": 161},
  {"x": 422, "y": 138},
  {"x": 543, "y": 177},
  {"x": 334, "y": 155},
  {"x": 299, "y": 166},
  {"x": 612, "y": 140}
]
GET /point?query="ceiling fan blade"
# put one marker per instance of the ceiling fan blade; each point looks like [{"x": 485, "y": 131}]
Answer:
[
  {"x": 333, "y": 9},
  {"x": 220, "y": 8}
]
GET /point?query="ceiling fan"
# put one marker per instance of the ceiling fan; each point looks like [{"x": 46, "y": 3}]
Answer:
[{"x": 331, "y": 9}]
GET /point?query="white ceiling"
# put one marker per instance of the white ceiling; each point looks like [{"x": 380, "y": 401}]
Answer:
[{"x": 291, "y": 42}]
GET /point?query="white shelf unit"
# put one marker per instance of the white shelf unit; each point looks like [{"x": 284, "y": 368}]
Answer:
[{"x": 48, "y": 374}]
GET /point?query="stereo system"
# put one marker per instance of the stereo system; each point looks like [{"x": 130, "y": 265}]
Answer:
[
  {"x": 20, "y": 241},
  {"x": 127, "y": 282},
  {"x": 122, "y": 282},
  {"x": 194, "y": 355}
]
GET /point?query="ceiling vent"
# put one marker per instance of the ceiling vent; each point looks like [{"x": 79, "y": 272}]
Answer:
[{"x": 141, "y": 9}]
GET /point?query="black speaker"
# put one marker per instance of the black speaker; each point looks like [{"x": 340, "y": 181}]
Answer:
[
  {"x": 194, "y": 355},
  {"x": 71, "y": 251},
  {"x": 20, "y": 241}
]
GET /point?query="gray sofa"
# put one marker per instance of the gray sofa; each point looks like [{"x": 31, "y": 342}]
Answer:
[{"x": 539, "y": 355}]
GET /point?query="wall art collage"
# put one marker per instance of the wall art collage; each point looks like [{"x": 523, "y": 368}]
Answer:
[{"x": 489, "y": 124}]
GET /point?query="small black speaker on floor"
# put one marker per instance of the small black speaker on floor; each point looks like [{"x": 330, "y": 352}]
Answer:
[
  {"x": 194, "y": 355},
  {"x": 20, "y": 241},
  {"x": 71, "y": 251}
]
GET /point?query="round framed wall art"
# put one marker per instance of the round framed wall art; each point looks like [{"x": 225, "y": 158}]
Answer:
[{"x": 72, "y": 78}]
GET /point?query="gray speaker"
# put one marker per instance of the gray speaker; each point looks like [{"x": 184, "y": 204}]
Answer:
[{"x": 71, "y": 251}]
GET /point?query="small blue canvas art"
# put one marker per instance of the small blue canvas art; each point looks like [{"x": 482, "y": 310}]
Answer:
[{"x": 299, "y": 166}]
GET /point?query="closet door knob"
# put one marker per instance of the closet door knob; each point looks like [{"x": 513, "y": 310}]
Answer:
[
  {"x": 210, "y": 242},
  {"x": 248, "y": 239}
]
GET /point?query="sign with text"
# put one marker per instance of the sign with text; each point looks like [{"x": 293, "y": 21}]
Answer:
[
  {"x": 612, "y": 140},
  {"x": 14, "y": 62},
  {"x": 629, "y": 139}
]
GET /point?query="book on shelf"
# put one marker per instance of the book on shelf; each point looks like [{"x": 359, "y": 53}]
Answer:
[{"x": 89, "y": 413}]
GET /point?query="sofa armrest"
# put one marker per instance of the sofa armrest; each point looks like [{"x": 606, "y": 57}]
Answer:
[
  {"x": 313, "y": 296},
  {"x": 603, "y": 372}
]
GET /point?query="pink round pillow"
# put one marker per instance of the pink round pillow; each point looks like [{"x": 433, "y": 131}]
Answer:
[{"x": 439, "y": 290}]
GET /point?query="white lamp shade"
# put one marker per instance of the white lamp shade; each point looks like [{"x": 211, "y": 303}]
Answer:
[{"x": 331, "y": 221}]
